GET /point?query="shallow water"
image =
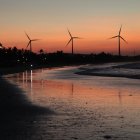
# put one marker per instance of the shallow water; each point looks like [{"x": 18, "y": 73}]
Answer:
[{"x": 87, "y": 107}]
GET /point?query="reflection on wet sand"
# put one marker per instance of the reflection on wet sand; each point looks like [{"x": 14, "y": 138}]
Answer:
[
  {"x": 87, "y": 107},
  {"x": 18, "y": 115},
  {"x": 120, "y": 97}
]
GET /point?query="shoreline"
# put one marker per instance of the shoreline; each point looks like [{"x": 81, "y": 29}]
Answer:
[
  {"x": 18, "y": 115},
  {"x": 16, "y": 98},
  {"x": 129, "y": 70},
  {"x": 20, "y": 118},
  {"x": 12, "y": 70}
]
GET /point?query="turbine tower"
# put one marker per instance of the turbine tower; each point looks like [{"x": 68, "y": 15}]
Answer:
[
  {"x": 30, "y": 42},
  {"x": 119, "y": 39},
  {"x": 72, "y": 40}
]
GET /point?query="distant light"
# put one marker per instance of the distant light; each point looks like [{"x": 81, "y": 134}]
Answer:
[
  {"x": 18, "y": 60},
  {"x": 31, "y": 65}
]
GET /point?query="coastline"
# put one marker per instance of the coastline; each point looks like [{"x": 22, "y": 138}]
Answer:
[
  {"x": 12, "y": 70},
  {"x": 18, "y": 115},
  {"x": 20, "y": 119},
  {"x": 130, "y": 70}
]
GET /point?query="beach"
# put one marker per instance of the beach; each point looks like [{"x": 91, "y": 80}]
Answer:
[
  {"x": 56, "y": 104},
  {"x": 126, "y": 70},
  {"x": 18, "y": 115}
]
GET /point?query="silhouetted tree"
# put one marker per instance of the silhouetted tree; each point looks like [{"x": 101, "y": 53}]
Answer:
[{"x": 41, "y": 51}]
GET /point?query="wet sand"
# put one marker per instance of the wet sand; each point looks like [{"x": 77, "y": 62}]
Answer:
[
  {"x": 57, "y": 104},
  {"x": 17, "y": 114},
  {"x": 86, "y": 107}
]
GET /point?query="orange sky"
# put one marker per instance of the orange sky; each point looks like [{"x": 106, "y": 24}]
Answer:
[{"x": 93, "y": 20}]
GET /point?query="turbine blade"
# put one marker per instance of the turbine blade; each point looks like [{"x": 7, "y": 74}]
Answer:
[
  {"x": 123, "y": 39},
  {"x": 27, "y": 36},
  {"x": 28, "y": 45},
  {"x": 113, "y": 37},
  {"x": 69, "y": 33},
  {"x": 35, "y": 39},
  {"x": 77, "y": 38},
  {"x": 120, "y": 30},
  {"x": 68, "y": 42}
]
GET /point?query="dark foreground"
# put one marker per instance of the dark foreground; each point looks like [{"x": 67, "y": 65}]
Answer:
[
  {"x": 60, "y": 105},
  {"x": 18, "y": 116}
]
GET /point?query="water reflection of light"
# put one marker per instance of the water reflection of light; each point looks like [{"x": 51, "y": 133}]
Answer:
[
  {"x": 88, "y": 96},
  {"x": 31, "y": 76},
  {"x": 85, "y": 91},
  {"x": 27, "y": 81},
  {"x": 31, "y": 83},
  {"x": 26, "y": 73},
  {"x": 23, "y": 78},
  {"x": 40, "y": 89}
]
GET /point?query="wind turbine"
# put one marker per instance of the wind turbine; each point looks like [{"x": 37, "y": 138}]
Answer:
[
  {"x": 72, "y": 40},
  {"x": 119, "y": 39},
  {"x": 30, "y": 42}
]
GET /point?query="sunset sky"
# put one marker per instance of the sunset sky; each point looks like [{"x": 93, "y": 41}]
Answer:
[{"x": 93, "y": 20}]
